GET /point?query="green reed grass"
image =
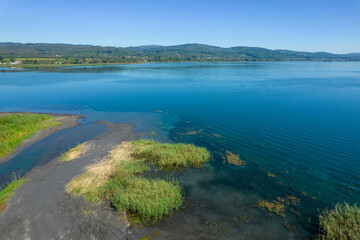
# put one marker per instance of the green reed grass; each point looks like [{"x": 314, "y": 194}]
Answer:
[
  {"x": 8, "y": 192},
  {"x": 170, "y": 156},
  {"x": 146, "y": 200},
  {"x": 15, "y": 128},
  {"x": 131, "y": 168},
  {"x": 341, "y": 223}
]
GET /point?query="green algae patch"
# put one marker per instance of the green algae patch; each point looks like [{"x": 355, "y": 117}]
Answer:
[
  {"x": 341, "y": 223},
  {"x": 15, "y": 128},
  {"x": 274, "y": 206},
  {"x": 7, "y": 193},
  {"x": 170, "y": 156},
  {"x": 279, "y": 205}
]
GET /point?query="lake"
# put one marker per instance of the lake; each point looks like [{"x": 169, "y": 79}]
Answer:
[{"x": 296, "y": 125}]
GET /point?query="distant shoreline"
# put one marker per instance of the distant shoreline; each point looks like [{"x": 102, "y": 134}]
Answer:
[
  {"x": 45, "y": 53},
  {"x": 34, "y": 66},
  {"x": 67, "y": 120}
]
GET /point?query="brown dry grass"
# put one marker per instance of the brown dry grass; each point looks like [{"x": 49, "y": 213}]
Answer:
[
  {"x": 115, "y": 179},
  {"x": 98, "y": 173},
  {"x": 75, "y": 152}
]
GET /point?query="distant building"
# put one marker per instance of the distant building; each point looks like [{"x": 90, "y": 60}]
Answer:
[{"x": 16, "y": 62}]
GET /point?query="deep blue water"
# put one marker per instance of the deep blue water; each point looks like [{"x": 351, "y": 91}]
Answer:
[{"x": 297, "y": 120}]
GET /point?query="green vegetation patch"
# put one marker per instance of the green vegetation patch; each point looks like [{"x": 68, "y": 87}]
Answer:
[
  {"x": 148, "y": 200},
  {"x": 117, "y": 179},
  {"x": 145, "y": 201},
  {"x": 341, "y": 223},
  {"x": 170, "y": 156},
  {"x": 15, "y": 128},
  {"x": 7, "y": 193}
]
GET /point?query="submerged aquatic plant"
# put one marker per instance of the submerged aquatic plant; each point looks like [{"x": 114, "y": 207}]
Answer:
[
  {"x": 341, "y": 223},
  {"x": 234, "y": 159},
  {"x": 274, "y": 206}
]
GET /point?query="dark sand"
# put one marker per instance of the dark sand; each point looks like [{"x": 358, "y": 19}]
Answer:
[
  {"x": 41, "y": 209},
  {"x": 68, "y": 121}
]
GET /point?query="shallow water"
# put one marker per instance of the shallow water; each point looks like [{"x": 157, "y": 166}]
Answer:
[{"x": 298, "y": 121}]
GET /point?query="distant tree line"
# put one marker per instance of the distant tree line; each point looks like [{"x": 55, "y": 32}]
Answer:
[{"x": 87, "y": 54}]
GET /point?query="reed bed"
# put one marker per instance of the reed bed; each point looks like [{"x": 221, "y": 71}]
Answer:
[
  {"x": 170, "y": 156},
  {"x": 118, "y": 179}
]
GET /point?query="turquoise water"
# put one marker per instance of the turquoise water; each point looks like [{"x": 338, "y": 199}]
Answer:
[{"x": 298, "y": 121}]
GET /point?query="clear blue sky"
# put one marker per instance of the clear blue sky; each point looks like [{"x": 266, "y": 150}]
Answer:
[{"x": 306, "y": 25}]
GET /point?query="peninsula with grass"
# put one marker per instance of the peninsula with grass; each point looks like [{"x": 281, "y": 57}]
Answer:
[
  {"x": 20, "y": 130},
  {"x": 119, "y": 181}
]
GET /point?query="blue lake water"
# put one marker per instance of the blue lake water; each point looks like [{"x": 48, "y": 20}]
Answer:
[{"x": 297, "y": 120}]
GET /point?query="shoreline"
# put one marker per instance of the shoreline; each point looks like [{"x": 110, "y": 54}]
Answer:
[
  {"x": 67, "y": 120},
  {"x": 58, "y": 214},
  {"x": 36, "y": 66}
]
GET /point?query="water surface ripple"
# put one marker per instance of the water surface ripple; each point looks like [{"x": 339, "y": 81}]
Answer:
[{"x": 296, "y": 120}]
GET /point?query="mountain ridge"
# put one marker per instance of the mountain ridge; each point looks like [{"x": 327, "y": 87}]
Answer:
[{"x": 173, "y": 53}]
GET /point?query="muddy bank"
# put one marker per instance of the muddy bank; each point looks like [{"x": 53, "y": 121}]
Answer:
[
  {"x": 41, "y": 209},
  {"x": 67, "y": 120}
]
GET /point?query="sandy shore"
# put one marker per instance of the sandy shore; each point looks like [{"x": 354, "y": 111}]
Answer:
[
  {"x": 41, "y": 209},
  {"x": 68, "y": 121}
]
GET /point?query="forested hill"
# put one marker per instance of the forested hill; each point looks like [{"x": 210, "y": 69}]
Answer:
[{"x": 156, "y": 53}]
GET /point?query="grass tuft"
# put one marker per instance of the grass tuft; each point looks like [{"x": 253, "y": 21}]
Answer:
[
  {"x": 341, "y": 223},
  {"x": 148, "y": 200},
  {"x": 74, "y": 153},
  {"x": 170, "y": 156},
  {"x": 15, "y": 128},
  {"x": 7, "y": 193}
]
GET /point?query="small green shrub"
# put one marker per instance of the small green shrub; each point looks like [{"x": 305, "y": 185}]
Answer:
[
  {"x": 341, "y": 223},
  {"x": 170, "y": 156}
]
